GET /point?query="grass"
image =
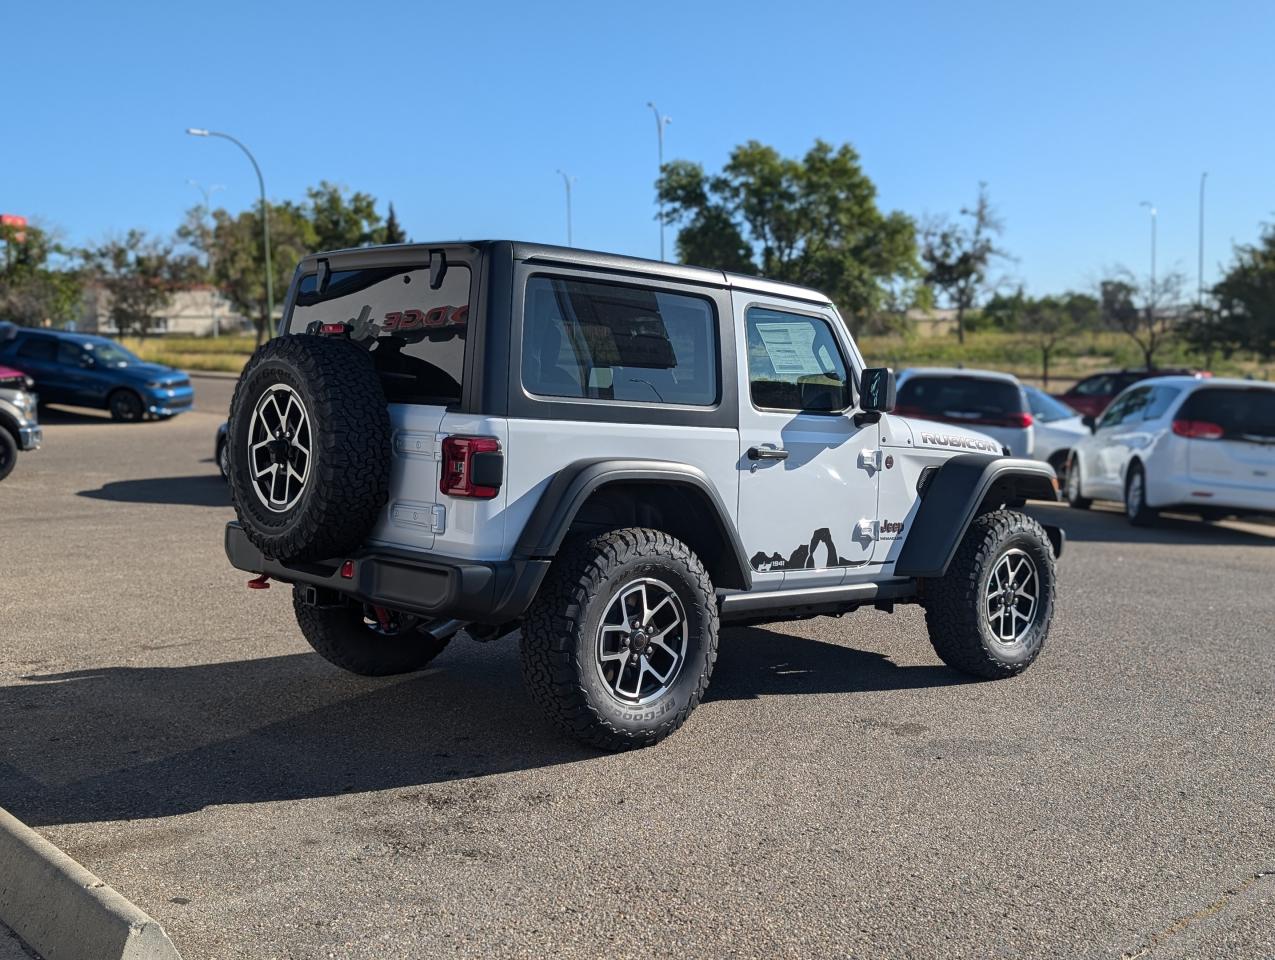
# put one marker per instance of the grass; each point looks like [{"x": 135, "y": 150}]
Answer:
[{"x": 993, "y": 349}]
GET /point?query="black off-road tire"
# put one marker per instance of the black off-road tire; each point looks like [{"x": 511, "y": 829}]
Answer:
[
  {"x": 1075, "y": 496},
  {"x": 955, "y": 604},
  {"x": 125, "y": 406},
  {"x": 348, "y": 480},
  {"x": 8, "y": 453},
  {"x": 1136, "y": 510},
  {"x": 341, "y": 636},
  {"x": 559, "y": 637}
]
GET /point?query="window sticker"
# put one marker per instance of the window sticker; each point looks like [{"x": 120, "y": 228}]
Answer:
[{"x": 790, "y": 347}]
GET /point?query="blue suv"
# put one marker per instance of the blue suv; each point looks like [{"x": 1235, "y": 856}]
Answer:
[{"x": 89, "y": 371}]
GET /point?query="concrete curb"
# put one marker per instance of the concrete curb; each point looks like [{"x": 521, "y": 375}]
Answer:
[{"x": 62, "y": 911}]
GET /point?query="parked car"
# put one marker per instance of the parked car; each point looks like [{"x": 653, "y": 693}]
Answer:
[
  {"x": 611, "y": 457},
  {"x": 19, "y": 424},
  {"x": 1056, "y": 428},
  {"x": 1094, "y": 393},
  {"x": 90, "y": 371},
  {"x": 221, "y": 453},
  {"x": 1204, "y": 446},
  {"x": 990, "y": 402}
]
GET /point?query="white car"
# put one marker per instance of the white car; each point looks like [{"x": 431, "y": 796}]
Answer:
[
  {"x": 1200, "y": 445},
  {"x": 1056, "y": 428},
  {"x": 990, "y": 402}
]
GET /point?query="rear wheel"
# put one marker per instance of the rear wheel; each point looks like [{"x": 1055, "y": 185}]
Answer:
[
  {"x": 364, "y": 640},
  {"x": 1135, "y": 498},
  {"x": 989, "y": 615},
  {"x": 8, "y": 453},
  {"x": 125, "y": 406},
  {"x": 620, "y": 642}
]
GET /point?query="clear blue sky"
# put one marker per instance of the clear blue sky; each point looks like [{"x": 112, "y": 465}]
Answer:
[{"x": 461, "y": 113}]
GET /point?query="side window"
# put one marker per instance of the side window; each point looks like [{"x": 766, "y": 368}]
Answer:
[
  {"x": 69, "y": 354},
  {"x": 604, "y": 341},
  {"x": 1102, "y": 385},
  {"x": 794, "y": 363},
  {"x": 38, "y": 348},
  {"x": 1125, "y": 407},
  {"x": 1161, "y": 399}
]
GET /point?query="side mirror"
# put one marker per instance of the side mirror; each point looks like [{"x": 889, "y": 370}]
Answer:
[
  {"x": 1089, "y": 421},
  {"x": 876, "y": 393}
]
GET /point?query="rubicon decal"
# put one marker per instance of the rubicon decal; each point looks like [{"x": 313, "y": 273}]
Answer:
[{"x": 966, "y": 443}]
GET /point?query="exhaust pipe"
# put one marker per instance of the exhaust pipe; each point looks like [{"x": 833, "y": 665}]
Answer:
[{"x": 443, "y": 629}]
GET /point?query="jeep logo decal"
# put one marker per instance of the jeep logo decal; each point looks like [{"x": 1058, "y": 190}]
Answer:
[{"x": 968, "y": 443}]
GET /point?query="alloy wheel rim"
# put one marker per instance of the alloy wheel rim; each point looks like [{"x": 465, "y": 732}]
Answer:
[
  {"x": 279, "y": 444},
  {"x": 1073, "y": 482},
  {"x": 1012, "y": 597},
  {"x": 641, "y": 641}
]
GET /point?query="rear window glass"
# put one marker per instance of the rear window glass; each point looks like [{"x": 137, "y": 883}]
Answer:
[
  {"x": 420, "y": 351},
  {"x": 1047, "y": 409},
  {"x": 602, "y": 341},
  {"x": 959, "y": 397},
  {"x": 1242, "y": 413}
]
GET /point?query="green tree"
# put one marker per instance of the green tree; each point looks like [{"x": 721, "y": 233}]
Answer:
[
  {"x": 342, "y": 221},
  {"x": 37, "y": 286},
  {"x": 1245, "y": 299},
  {"x": 394, "y": 232},
  {"x": 812, "y": 221},
  {"x": 1049, "y": 322},
  {"x": 958, "y": 254},
  {"x": 139, "y": 273}
]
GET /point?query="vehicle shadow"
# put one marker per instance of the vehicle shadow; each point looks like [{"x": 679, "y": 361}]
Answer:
[
  {"x": 73, "y": 415},
  {"x": 200, "y": 490},
  {"x": 1102, "y": 524},
  {"x": 141, "y": 742}
]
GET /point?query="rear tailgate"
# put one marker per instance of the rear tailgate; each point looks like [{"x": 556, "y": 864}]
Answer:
[{"x": 1231, "y": 436}]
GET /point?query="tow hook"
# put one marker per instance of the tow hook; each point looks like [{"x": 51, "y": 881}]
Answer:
[
  {"x": 382, "y": 617},
  {"x": 259, "y": 583}
]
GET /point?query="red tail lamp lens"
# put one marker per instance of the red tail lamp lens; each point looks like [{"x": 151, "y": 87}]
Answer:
[
  {"x": 347, "y": 570},
  {"x": 1198, "y": 429},
  {"x": 460, "y": 460}
]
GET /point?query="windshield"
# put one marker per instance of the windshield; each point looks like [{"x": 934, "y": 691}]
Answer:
[
  {"x": 110, "y": 354},
  {"x": 1047, "y": 409},
  {"x": 1243, "y": 413},
  {"x": 959, "y": 398}
]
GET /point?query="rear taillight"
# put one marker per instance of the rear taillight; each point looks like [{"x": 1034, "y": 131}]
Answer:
[
  {"x": 473, "y": 467},
  {"x": 1020, "y": 420},
  {"x": 1198, "y": 429}
]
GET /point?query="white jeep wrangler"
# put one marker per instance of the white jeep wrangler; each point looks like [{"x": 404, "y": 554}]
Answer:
[{"x": 613, "y": 456}]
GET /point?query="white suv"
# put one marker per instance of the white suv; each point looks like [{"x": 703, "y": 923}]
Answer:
[{"x": 1200, "y": 445}]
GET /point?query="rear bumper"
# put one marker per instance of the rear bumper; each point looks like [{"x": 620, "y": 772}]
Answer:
[
  {"x": 492, "y": 592},
  {"x": 1188, "y": 494}
]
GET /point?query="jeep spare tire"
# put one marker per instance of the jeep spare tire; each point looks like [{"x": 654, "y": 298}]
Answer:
[{"x": 309, "y": 441}]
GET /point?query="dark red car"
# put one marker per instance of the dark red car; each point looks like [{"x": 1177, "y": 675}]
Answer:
[{"x": 1092, "y": 395}]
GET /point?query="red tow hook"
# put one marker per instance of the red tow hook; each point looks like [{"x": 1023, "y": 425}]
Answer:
[
  {"x": 259, "y": 583},
  {"x": 382, "y": 617}
]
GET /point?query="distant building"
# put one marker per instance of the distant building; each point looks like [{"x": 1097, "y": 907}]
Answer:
[
  {"x": 192, "y": 311},
  {"x": 932, "y": 321}
]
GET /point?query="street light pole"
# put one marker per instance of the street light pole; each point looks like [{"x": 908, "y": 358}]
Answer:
[
  {"x": 1151, "y": 206},
  {"x": 661, "y": 122},
  {"x": 265, "y": 211},
  {"x": 567, "y": 182},
  {"x": 212, "y": 302},
  {"x": 1199, "y": 290}
]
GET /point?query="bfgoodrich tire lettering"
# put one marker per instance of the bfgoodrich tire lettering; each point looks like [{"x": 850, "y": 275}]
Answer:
[
  {"x": 963, "y": 633},
  {"x": 560, "y": 637},
  {"x": 348, "y": 450}
]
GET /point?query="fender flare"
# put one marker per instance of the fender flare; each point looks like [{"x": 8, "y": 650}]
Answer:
[
  {"x": 952, "y": 500},
  {"x": 572, "y": 486}
]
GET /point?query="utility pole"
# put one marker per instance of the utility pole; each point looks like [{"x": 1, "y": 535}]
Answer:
[
  {"x": 265, "y": 212},
  {"x": 567, "y": 182},
  {"x": 212, "y": 300},
  {"x": 661, "y": 122},
  {"x": 1199, "y": 290},
  {"x": 1151, "y": 206}
]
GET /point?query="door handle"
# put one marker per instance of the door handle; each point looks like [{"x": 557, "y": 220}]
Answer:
[{"x": 767, "y": 453}]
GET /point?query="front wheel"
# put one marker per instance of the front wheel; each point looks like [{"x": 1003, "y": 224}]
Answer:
[
  {"x": 989, "y": 615},
  {"x": 125, "y": 406},
  {"x": 619, "y": 644},
  {"x": 1075, "y": 498},
  {"x": 8, "y": 453},
  {"x": 366, "y": 641}
]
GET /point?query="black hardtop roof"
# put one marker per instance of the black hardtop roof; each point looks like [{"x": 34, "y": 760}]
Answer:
[{"x": 565, "y": 256}]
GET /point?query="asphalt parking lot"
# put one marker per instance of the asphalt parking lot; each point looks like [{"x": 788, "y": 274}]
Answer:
[{"x": 839, "y": 794}]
